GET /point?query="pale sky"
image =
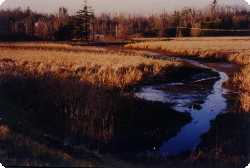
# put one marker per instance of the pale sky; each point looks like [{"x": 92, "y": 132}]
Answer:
[
  {"x": 131, "y": 6},
  {"x": 1, "y": 1}
]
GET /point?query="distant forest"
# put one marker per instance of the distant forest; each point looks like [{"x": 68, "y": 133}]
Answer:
[{"x": 20, "y": 24}]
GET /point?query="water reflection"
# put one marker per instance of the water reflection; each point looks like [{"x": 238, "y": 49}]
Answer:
[{"x": 203, "y": 103}]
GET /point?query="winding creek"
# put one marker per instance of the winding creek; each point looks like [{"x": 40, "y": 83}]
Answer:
[{"x": 202, "y": 112}]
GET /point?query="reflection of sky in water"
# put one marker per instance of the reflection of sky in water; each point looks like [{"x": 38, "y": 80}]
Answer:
[{"x": 190, "y": 135}]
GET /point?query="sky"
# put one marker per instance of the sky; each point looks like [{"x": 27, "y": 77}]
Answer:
[
  {"x": 124, "y": 6},
  {"x": 1, "y": 1}
]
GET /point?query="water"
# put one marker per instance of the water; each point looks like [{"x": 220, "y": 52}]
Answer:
[
  {"x": 1, "y": 116},
  {"x": 202, "y": 113}
]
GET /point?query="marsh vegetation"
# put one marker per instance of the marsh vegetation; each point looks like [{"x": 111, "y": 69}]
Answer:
[{"x": 68, "y": 99}]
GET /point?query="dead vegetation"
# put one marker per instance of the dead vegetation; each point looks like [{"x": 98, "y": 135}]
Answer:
[
  {"x": 76, "y": 85},
  {"x": 99, "y": 68},
  {"x": 19, "y": 150}
]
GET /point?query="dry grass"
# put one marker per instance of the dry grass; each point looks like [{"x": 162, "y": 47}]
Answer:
[
  {"x": 36, "y": 44},
  {"x": 4, "y": 132},
  {"x": 50, "y": 46},
  {"x": 242, "y": 81},
  {"x": 100, "y": 68},
  {"x": 235, "y": 50},
  {"x": 203, "y": 48},
  {"x": 77, "y": 90},
  {"x": 22, "y": 151}
]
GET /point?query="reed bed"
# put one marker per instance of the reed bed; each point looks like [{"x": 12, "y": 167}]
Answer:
[
  {"x": 235, "y": 50},
  {"x": 23, "y": 151},
  {"x": 83, "y": 94},
  {"x": 217, "y": 49},
  {"x": 34, "y": 46},
  {"x": 241, "y": 81},
  {"x": 99, "y": 68}
]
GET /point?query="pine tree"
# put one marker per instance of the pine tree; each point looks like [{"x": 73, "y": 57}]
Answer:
[
  {"x": 84, "y": 22},
  {"x": 213, "y": 7},
  {"x": 215, "y": 3}
]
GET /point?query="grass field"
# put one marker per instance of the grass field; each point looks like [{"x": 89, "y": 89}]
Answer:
[
  {"x": 97, "y": 67},
  {"x": 230, "y": 49}
]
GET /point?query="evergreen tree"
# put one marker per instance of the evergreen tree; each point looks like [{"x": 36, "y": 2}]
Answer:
[
  {"x": 215, "y": 2},
  {"x": 84, "y": 22},
  {"x": 213, "y": 7}
]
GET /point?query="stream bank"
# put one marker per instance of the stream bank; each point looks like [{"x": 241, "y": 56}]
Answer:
[{"x": 192, "y": 97}]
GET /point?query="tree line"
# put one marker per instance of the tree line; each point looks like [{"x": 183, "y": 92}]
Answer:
[{"x": 85, "y": 25}]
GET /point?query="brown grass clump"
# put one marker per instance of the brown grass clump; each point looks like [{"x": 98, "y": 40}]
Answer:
[
  {"x": 242, "y": 81},
  {"x": 4, "y": 132},
  {"x": 244, "y": 102}
]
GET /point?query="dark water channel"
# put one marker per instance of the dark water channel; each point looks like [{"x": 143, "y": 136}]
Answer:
[{"x": 203, "y": 103}]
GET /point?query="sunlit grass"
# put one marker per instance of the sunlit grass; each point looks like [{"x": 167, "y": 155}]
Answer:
[
  {"x": 200, "y": 48},
  {"x": 100, "y": 68}
]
